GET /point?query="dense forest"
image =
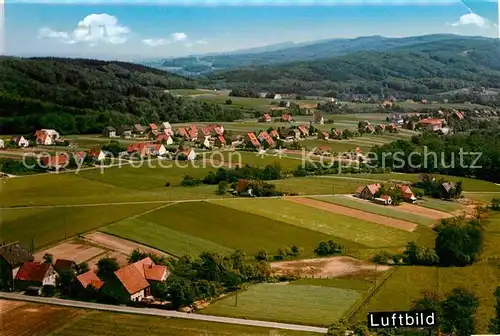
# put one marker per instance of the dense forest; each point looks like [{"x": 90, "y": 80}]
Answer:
[
  {"x": 417, "y": 70},
  {"x": 481, "y": 144},
  {"x": 84, "y": 96}
]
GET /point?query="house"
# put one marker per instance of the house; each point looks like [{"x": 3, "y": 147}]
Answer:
[
  {"x": 124, "y": 131},
  {"x": 262, "y": 94},
  {"x": 431, "y": 124},
  {"x": 323, "y": 151},
  {"x": 166, "y": 128},
  {"x": 137, "y": 148},
  {"x": 109, "y": 132},
  {"x": 424, "y": 101},
  {"x": 42, "y": 138},
  {"x": 205, "y": 143},
  {"x": 164, "y": 138},
  {"x": 335, "y": 133},
  {"x": 35, "y": 274},
  {"x": 186, "y": 153},
  {"x": 206, "y": 131},
  {"x": 220, "y": 141},
  {"x": 156, "y": 149},
  {"x": 2, "y": 144},
  {"x": 277, "y": 96},
  {"x": 135, "y": 279},
  {"x": 383, "y": 200},
  {"x": 252, "y": 139},
  {"x": 63, "y": 265},
  {"x": 459, "y": 115},
  {"x": 274, "y": 134},
  {"x": 318, "y": 118},
  {"x": 286, "y": 118},
  {"x": 265, "y": 118},
  {"x": 182, "y": 133},
  {"x": 407, "y": 193},
  {"x": 153, "y": 127},
  {"x": 218, "y": 129},
  {"x": 369, "y": 129},
  {"x": 20, "y": 141},
  {"x": 89, "y": 279},
  {"x": 97, "y": 154},
  {"x": 303, "y": 131},
  {"x": 265, "y": 138},
  {"x": 294, "y": 133},
  {"x": 386, "y": 103},
  {"x": 323, "y": 135},
  {"x": 12, "y": 256},
  {"x": 368, "y": 191},
  {"x": 54, "y": 162},
  {"x": 243, "y": 188},
  {"x": 192, "y": 134},
  {"x": 447, "y": 188},
  {"x": 138, "y": 129}
]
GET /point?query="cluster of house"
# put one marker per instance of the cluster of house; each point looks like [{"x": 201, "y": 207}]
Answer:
[
  {"x": 369, "y": 128},
  {"x": 268, "y": 139},
  {"x": 317, "y": 117},
  {"x": 370, "y": 191},
  {"x": 138, "y": 131},
  {"x": 131, "y": 283},
  {"x": 46, "y": 137}
]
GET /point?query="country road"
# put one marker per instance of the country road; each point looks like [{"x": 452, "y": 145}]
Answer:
[{"x": 160, "y": 312}]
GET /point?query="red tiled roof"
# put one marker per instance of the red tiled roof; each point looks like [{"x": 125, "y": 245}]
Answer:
[
  {"x": 54, "y": 161},
  {"x": 153, "y": 127},
  {"x": 428, "y": 121},
  {"x": 459, "y": 115},
  {"x": 155, "y": 272},
  {"x": 242, "y": 185},
  {"x": 303, "y": 129},
  {"x": 253, "y": 139},
  {"x": 286, "y": 117},
  {"x": 325, "y": 134},
  {"x": 32, "y": 271},
  {"x": 274, "y": 133},
  {"x": 267, "y": 116},
  {"x": 162, "y": 137},
  {"x": 385, "y": 197},
  {"x": 206, "y": 130},
  {"x": 90, "y": 278},
  {"x": 182, "y": 131},
  {"x": 360, "y": 189},
  {"x": 221, "y": 139},
  {"x": 373, "y": 188},
  {"x": 132, "y": 278}
]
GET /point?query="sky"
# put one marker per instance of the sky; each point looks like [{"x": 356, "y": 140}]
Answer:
[{"x": 159, "y": 29}]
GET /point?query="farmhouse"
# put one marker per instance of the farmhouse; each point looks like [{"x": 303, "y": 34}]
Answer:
[
  {"x": 138, "y": 129},
  {"x": 97, "y": 154},
  {"x": 303, "y": 131},
  {"x": 243, "y": 188},
  {"x": 383, "y": 200},
  {"x": 266, "y": 139},
  {"x": 182, "y": 132},
  {"x": 12, "y": 256},
  {"x": 318, "y": 118},
  {"x": 459, "y": 115},
  {"x": 109, "y": 132},
  {"x": 369, "y": 129},
  {"x": 35, "y": 274},
  {"x": 447, "y": 189},
  {"x": 140, "y": 148},
  {"x": 251, "y": 139},
  {"x": 286, "y": 118},
  {"x": 407, "y": 193},
  {"x": 185, "y": 153},
  {"x": 124, "y": 131},
  {"x": 20, "y": 141},
  {"x": 294, "y": 134},
  {"x": 335, "y": 133},
  {"x": 217, "y": 130},
  {"x": 135, "y": 279},
  {"x": 63, "y": 265},
  {"x": 205, "y": 131},
  {"x": 54, "y": 162},
  {"x": 431, "y": 124},
  {"x": 166, "y": 128},
  {"x": 164, "y": 138},
  {"x": 274, "y": 134},
  {"x": 323, "y": 135},
  {"x": 368, "y": 191},
  {"x": 323, "y": 151},
  {"x": 220, "y": 141},
  {"x": 205, "y": 143},
  {"x": 156, "y": 149},
  {"x": 265, "y": 118},
  {"x": 42, "y": 138},
  {"x": 152, "y": 127},
  {"x": 192, "y": 134},
  {"x": 89, "y": 279}
]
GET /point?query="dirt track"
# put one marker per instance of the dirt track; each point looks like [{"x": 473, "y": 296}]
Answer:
[
  {"x": 378, "y": 219},
  {"x": 326, "y": 267},
  {"x": 118, "y": 244},
  {"x": 426, "y": 212}
]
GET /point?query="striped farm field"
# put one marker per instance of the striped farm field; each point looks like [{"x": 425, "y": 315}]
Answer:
[
  {"x": 342, "y": 210},
  {"x": 363, "y": 205},
  {"x": 352, "y": 232},
  {"x": 194, "y": 227}
]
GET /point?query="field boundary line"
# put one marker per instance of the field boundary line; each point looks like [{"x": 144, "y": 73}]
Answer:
[{"x": 349, "y": 315}]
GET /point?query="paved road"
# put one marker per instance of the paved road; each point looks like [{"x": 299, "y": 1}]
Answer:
[{"x": 160, "y": 312}]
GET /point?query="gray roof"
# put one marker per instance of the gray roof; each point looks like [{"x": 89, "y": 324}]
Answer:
[{"x": 14, "y": 254}]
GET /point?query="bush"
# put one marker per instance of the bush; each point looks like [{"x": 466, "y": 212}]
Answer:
[
  {"x": 229, "y": 102},
  {"x": 495, "y": 204},
  {"x": 326, "y": 248},
  {"x": 261, "y": 255},
  {"x": 382, "y": 257},
  {"x": 189, "y": 181}
]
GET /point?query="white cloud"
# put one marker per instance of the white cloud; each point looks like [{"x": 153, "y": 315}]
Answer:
[
  {"x": 179, "y": 36},
  {"x": 93, "y": 29},
  {"x": 472, "y": 19},
  {"x": 152, "y": 42}
]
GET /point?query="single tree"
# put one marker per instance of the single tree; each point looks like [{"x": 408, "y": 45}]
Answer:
[
  {"x": 48, "y": 258},
  {"x": 106, "y": 268},
  {"x": 458, "y": 310},
  {"x": 261, "y": 255},
  {"x": 83, "y": 268}
]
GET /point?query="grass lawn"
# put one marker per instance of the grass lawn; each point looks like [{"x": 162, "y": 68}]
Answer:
[
  {"x": 302, "y": 304},
  {"x": 440, "y": 205},
  {"x": 253, "y": 159},
  {"x": 482, "y": 197},
  {"x": 334, "y": 145},
  {"x": 246, "y": 103},
  {"x": 324, "y": 185},
  {"x": 219, "y": 226},
  {"x": 69, "y": 188},
  {"x": 189, "y": 92},
  {"x": 353, "y": 284},
  {"x": 407, "y": 283},
  {"x": 48, "y": 225},
  {"x": 491, "y": 247},
  {"x": 109, "y": 324},
  {"x": 376, "y": 209},
  {"x": 173, "y": 242},
  {"x": 351, "y": 232}
]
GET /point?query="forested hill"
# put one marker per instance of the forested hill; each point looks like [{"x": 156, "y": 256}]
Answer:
[
  {"x": 82, "y": 96},
  {"x": 425, "y": 68}
]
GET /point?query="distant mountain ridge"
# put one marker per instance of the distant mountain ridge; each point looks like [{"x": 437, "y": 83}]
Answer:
[{"x": 289, "y": 52}]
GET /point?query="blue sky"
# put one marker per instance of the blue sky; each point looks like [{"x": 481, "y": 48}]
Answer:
[{"x": 150, "y": 30}]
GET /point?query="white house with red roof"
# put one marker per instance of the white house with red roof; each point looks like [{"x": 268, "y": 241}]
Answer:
[
  {"x": 274, "y": 134},
  {"x": 187, "y": 153},
  {"x": 383, "y": 199},
  {"x": 266, "y": 138},
  {"x": 220, "y": 141},
  {"x": 166, "y": 128},
  {"x": 408, "y": 195},
  {"x": 135, "y": 279},
  {"x": 89, "y": 279},
  {"x": 35, "y": 274},
  {"x": 431, "y": 124},
  {"x": 20, "y": 141},
  {"x": 368, "y": 191},
  {"x": 265, "y": 118},
  {"x": 164, "y": 138},
  {"x": 286, "y": 118},
  {"x": 323, "y": 135},
  {"x": 303, "y": 131}
]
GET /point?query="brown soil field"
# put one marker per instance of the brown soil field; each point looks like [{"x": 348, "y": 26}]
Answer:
[
  {"x": 378, "y": 219},
  {"x": 326, "y": 267},
  {"x": 119, "y": 244},
  {"x": 29, "y": 319},
  {"x": 426, "y": 212},
  {"x": 77, "y": 251}
]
